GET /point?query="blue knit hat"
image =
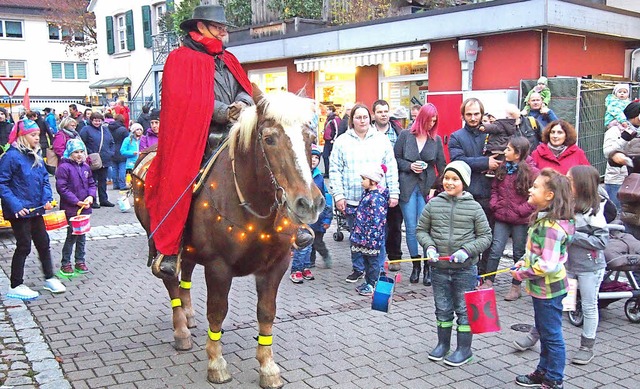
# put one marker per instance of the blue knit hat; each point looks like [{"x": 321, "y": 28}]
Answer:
[
  {"x": 315, "y": 150},
  {"x": 73, "y": 145}
]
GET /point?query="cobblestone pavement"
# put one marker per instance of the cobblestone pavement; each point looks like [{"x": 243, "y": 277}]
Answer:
[{"x": 112, "y": 329}]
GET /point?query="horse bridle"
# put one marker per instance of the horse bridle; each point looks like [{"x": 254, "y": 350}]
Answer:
[{"x": 277, "y": 204}]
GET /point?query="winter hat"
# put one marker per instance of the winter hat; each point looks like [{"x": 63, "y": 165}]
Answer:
[
  {"x": 620, "y": 86},
  {"x": 154, "y": 115},
  {"x": 315, "y": 150},
  {"x": 462, "y": 170},
  {"x": 73, "y": 145},
  {"x": 374, "y": 172},
  {"x": 22, "y": 127},
  {"x": 542, "y": 80},
  {"x": 136, "y": 126},
  {"x": 632, "y": 110}
]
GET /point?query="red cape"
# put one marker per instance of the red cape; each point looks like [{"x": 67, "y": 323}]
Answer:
[{"x": 187, "y": 108}]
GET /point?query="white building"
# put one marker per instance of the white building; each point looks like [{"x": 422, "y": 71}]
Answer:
[
  {"x": 31, "y": 49},
  {"x": 124, "y": 52}
]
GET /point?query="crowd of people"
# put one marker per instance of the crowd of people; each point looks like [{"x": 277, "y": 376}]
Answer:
[{"x": 521, "y": 176}]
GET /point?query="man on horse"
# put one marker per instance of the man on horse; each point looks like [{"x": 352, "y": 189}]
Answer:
[{"x": 204, "y": 89}]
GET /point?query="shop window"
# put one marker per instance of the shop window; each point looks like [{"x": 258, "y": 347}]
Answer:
[
  {"x": 405, "y": 83},
  {"x": 270, "y": 80},
  {"x": 336, "y": 86}
]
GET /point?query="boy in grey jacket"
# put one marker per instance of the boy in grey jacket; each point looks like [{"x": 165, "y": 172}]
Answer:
[{"x": 454, "y": 225}]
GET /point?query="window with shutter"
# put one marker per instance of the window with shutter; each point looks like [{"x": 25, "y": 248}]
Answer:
[
  {"x": 69, "y": 71},
  {"x": 17, "y": 69},
  {"x": 111, "y": 48},
  {"x": 56, "y": 71},
  {"x": 146, "y": 25},
  {"x": 131, "y": 44},
  {"x": 81, "y": 71}
]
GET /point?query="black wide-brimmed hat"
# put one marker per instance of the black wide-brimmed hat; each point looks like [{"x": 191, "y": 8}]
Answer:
[{"x": 206, "y": 13}]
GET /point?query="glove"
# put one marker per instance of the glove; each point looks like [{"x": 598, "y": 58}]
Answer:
[
  {"x": 234, "y": 110},
  {"x": 459, "y": 256},
  {"x": 432, "y": 254}
]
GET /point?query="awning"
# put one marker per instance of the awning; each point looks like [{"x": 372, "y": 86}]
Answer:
[
  {"x": 367, "y": 58},
  {"x": 110, "y": 82}
]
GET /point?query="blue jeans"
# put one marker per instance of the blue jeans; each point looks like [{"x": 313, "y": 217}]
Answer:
[
  {"x": 501, "y": 233},
  {"x": 301, "y": 259},
  {"x": 548, "y": 319},
  {"x": 77, "y": 240},
  {"x": 372, "y": 269},
  {"x": 449, "y": 286},
  {"x": 589, "y": 285},
  {"x": 119, "y": 174},
  {"x": 357, "y": 262},
  {"x": 411, "y": 211},
  {"x": 612, "y": 191}
]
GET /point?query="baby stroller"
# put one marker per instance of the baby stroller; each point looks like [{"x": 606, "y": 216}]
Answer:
[
  {"x": 623, "y": 257},
  {"x": 341, "y": 224}
]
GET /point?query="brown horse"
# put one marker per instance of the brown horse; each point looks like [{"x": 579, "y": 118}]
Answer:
[{"x": 242, "y": 222}]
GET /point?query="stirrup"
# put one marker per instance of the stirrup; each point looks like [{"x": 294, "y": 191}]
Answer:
[{"x": 166, "y": 267}]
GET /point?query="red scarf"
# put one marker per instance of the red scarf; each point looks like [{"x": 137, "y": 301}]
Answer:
[{"x": 187, "y": 107}]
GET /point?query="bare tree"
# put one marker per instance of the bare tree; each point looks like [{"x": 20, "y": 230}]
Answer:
[{"x": 77, "y": 25}]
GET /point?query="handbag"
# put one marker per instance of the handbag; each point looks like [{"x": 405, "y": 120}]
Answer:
[
  {"x": 96, "y": 159},
  {"x": 630, "y": 189},
  {"x": 51, "y": 161}
]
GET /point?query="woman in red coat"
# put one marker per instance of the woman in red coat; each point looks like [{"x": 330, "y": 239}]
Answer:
[{"x": 558, "y": 149}]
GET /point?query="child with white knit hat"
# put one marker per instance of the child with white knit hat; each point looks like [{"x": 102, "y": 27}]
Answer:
[
  {"x": 616, "y": 102},
  {"x": 368, "y": 232}
]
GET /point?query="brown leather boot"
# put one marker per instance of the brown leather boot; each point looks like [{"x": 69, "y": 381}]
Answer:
[{"x": 514, "y": 293}]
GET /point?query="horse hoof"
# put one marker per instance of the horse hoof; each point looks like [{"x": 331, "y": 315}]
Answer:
[
  {"x": 183, "y": 344},
  {"x": 218, "y": 377},
  {"x": 271, "y": 382}
]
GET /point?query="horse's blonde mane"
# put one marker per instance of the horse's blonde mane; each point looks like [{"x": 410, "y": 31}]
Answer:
[{"x": 285, "y": 108}]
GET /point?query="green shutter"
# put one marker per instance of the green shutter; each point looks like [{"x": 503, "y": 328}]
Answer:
[
  {"x": 128, "y": 18},
  {"x": 170, "y": 6},
  {"x": 111, "y": 48},
  {"x": 146, "y": 25}
]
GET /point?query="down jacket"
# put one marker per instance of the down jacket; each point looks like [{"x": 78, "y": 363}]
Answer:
[
  {"x": 623, "y": 248},
  {"x": 452, "y": 223},
  {"x": 23, "y": 185},
  {"x": 589, "y": 239},
  {"x": 572, "y": 156},
  {"x": 74, "y": 182},
  {"x": 506, "y": 204}
]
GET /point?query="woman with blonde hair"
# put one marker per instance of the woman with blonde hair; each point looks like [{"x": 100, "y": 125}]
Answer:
[{"x": 66, "y": 131}]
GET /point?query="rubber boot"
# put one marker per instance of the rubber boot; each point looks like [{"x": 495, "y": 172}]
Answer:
[
  {"x": 415, "y": 273},
  {"x": 426, "y": 281},
  {"x": 463, "y": 352},
  {"x": 444, "y": 343},
  {"x": 584, "y": 354}
]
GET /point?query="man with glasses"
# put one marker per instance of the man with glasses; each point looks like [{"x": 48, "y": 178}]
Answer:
[{"x": 204, "y": 89}]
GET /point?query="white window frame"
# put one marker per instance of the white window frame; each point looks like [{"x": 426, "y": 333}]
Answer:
[
  {"x": 4, "y": 70},
  {"x": 120, "y": 32},
  {"x": 75, "y": 71},
  {"x": 3, "y": 22},
  {"x": 157, "y": 10},
  {"x": 60, "y": 37}
]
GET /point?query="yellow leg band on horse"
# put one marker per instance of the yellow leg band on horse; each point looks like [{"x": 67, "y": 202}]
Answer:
[
  {"x": 215, "y": 336},
  {"x": 176, "y": 303},
  {"x": 185, "y": 284},
  {"x": 265, "y": 340}
]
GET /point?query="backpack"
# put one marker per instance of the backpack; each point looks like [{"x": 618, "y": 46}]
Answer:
[
  {"x": 330, "y": 131},
  {"x": 529, "y": 129}
]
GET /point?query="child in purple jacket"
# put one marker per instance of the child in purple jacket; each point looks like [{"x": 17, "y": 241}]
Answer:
[{"x": 77, "y": 190}]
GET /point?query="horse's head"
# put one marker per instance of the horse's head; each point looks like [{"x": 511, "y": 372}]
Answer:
[{"x": 281, "y": 125}]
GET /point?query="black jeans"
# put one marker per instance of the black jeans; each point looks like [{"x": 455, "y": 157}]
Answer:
[
  {"x": 100, "y": 176},
  {"x": 326, "y": 153},
  {"x": 394, "y": 232},
  {"x": 26, "y": 229},
  {"x": 319, "y": 246}
]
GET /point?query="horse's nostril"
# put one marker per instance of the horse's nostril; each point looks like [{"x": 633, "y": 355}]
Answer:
[{"x": 302, "y": 205}]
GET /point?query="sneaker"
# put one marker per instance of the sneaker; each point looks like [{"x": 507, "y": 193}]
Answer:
[
  {"x": 365, "y": 290},
  {"x": 552, "y": 384},
  {"x": 22, "y": 292},
  {"x": 328, "y": 261},
  {"x": 107, "y": 204},
  {"x": 355, "y": 276},
  {"x": 54, "y": 285},
  {"x": 532, "y": 380},
  {"x": 296, "y": 277},
  {"x": 66, "y": 270},
  {"x": 307, "y": 275},
  {"x": 81, "y": 267}
]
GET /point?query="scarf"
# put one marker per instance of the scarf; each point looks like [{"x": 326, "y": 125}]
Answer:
[
  {"x": 512, "y": 167},
  {"x": 556, "y": 150},
  {"x": 73, "y": 134}
]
